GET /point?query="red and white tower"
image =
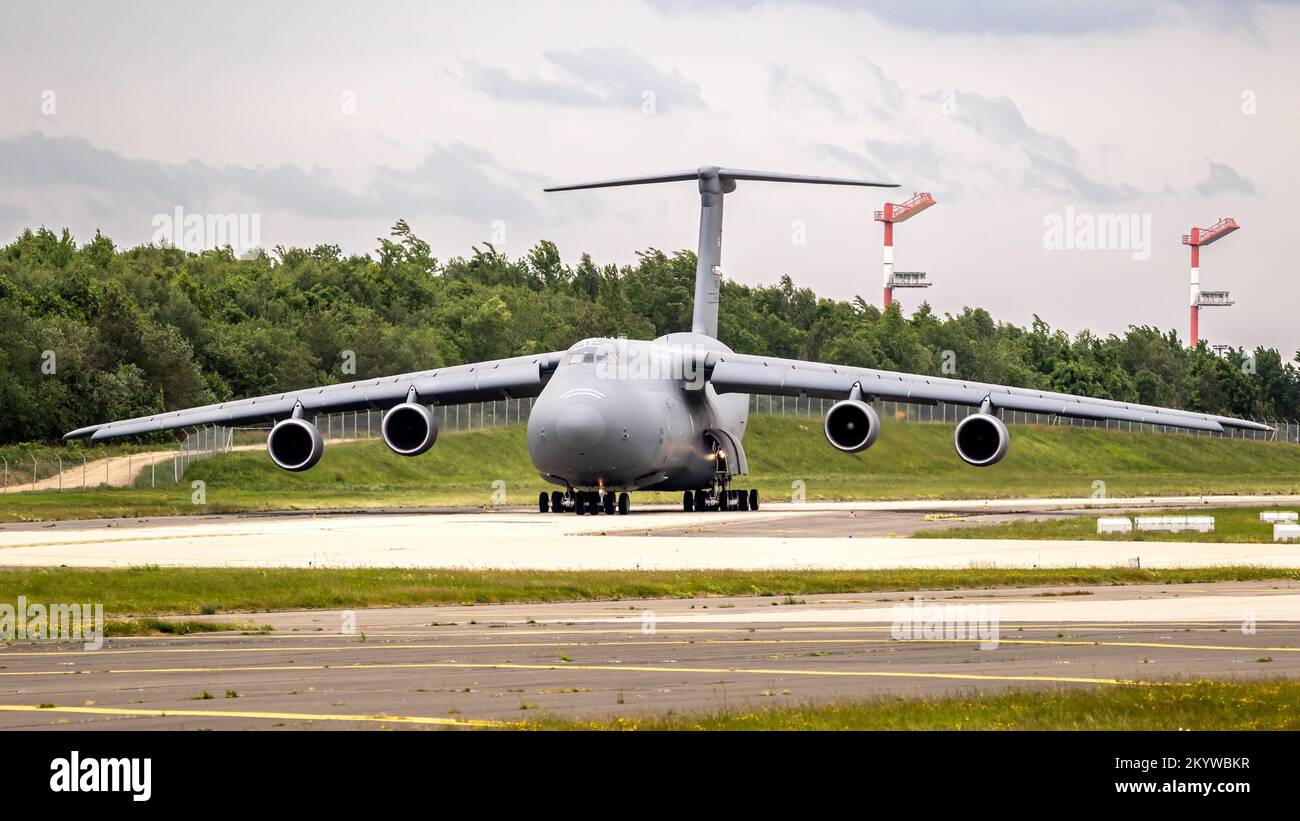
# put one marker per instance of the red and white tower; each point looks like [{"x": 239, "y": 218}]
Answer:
[
  {"x": 1199, "y": 238},
  {"x": 897, "y": 212}
]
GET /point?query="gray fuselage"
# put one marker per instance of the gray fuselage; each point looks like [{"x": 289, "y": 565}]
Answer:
[{"x": 622, "y": 415}]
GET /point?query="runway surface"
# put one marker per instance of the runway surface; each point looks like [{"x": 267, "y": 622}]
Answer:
[
  {"x": 440, "y": 667},
  {"x": 832, "y": 535}
]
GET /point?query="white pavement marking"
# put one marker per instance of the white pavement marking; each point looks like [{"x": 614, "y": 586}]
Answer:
[{"x": 529, "y": 540}]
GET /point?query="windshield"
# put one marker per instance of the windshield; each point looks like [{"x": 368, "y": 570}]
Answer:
[{"x": 588, "y": 358}]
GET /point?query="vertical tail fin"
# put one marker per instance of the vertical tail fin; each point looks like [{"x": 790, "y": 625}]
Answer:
[{"x": 714, "y": 183}]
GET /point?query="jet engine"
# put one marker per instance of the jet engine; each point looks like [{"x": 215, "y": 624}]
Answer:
[
  {"x": 851, "y": 425},
  {"x": 295, "y": 444},
  {"x": 981, "y": 439},
  {"x": 409, "y": 429}
]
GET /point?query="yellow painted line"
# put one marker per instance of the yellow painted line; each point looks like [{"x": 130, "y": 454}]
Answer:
[
  {"x": 645, "y": 643},
  {"x": 614, "y": 668},
  {"x": 124, "y": 711},
  {"x": 118, "y": 539}
]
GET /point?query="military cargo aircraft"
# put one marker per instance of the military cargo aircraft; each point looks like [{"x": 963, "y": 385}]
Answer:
[{"x": 612, "y": 415}]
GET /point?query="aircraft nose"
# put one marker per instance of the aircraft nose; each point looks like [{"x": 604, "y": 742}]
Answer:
[{"x": 580, "y": 426}]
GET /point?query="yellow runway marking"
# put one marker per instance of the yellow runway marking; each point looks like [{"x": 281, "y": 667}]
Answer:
[
  {"x": 117, "y": 539},
  {"x": 645, "y": 643},
  {"x": 614, "y": 668},
  {"x": 122, "y": 711}
]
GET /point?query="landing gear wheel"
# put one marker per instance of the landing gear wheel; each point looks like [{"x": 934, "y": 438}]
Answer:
[
  {"x": 742, "y": 500},
  {"x": 580, "y": 503},
  {"x": 700, "y": 501},
  {"x": 593, "y": 502},
  {"x": 544, "y": 502},
  {"x": 723, "y": 499},
  {"x": 624, "y": 504},
  {"x": 688, "y": 501},
  {"x": 557, "y": 502},
  {"x": 608, "y": 503},
  {"x": 753, "y": 498}
]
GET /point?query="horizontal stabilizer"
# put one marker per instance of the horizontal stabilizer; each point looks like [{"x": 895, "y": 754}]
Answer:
[
  {"x": 724, "y": 174},
  {"x": 676, "y": 176},
  {"x": 777, "y": 176}
]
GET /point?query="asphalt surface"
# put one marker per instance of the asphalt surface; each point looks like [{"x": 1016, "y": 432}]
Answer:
[
  {"x": 443, "y": 667},
  {"x": 823, "y": 535}
]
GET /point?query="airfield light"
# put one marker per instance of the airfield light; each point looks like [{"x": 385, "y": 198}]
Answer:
[
  {"x": 897, "y": 212},
  {"x": 1198, "y": 238}
]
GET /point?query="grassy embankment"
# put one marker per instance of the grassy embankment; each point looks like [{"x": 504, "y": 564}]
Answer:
[
  {"x": 910, "y": 461},
  {"x": 1199, "y": 705}
]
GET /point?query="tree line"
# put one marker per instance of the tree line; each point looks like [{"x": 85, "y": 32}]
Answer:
[{"x": 91, "y": 332}]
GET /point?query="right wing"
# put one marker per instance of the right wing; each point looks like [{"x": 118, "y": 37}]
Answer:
[
  {"x": 743, "y": 373},
  {"x": 516, "y": 377}
]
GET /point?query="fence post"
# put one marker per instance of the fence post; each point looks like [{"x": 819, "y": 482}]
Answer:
[
  {"x": 59, "y": 460},
  {"x": 33, "y": 473}
]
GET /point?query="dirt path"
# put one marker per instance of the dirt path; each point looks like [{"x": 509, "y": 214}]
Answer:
[{"x": 111, "y": 471}]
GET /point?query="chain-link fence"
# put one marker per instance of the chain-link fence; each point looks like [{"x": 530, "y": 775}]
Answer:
[
  {"x": 136, "y": 468},
  {"x": 168, "y": 465}
]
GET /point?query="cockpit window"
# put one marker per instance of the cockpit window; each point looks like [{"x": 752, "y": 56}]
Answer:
[{"x": 588, "y": 358}]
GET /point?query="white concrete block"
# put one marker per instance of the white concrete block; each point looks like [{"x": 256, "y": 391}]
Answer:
[
  {"x": 1270, "y": 517},
  {"x": 1114, "y": 525},
  {"x": 1175, "y": 524},
  {"x": 1286, "y": 533}
]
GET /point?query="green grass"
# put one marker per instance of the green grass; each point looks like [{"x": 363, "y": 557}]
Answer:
[
  {"x": 1231, "y": 524},
  {"x": 1200, "y": 705},
  {"x": 150, "y": 591},
  {"x": 910, "y": 461},
  {"x": 153, "y": 626}
]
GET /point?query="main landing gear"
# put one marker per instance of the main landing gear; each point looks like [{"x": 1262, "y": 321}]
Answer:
[
  {"x": 720, "y": 499},
  {"x": 584, "y": 501}
]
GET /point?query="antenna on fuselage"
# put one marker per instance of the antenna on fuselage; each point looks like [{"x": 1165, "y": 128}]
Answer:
[{"x": 714, "y": 182}]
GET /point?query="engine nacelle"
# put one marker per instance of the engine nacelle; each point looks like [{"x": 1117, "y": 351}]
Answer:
[
  {"x": 851, "y": 425},
  {"x": 981, "y": 439},
  {"x": 294, "y": 444},
  {"x": 409, "y": 429}
]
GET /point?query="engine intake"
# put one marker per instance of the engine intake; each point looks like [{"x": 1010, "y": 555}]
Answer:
[
  {"x": 981, "y": 439},
  {"x": 851, "y": 425},
  {"x": 294, "y": 444},
  {"x": 409, "y": 429}
]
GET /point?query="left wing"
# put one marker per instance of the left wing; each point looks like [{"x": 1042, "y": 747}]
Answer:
[
  {"x": 520, "y": 376},
  {"x": 743, "y": 373}
]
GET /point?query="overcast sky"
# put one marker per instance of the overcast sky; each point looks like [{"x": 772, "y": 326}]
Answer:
[{"x": 332, "y": 120}]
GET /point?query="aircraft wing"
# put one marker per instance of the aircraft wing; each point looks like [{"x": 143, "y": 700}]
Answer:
[
  {"x": 743, "y": 373},
  {"x": 520, "y": 376}
]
